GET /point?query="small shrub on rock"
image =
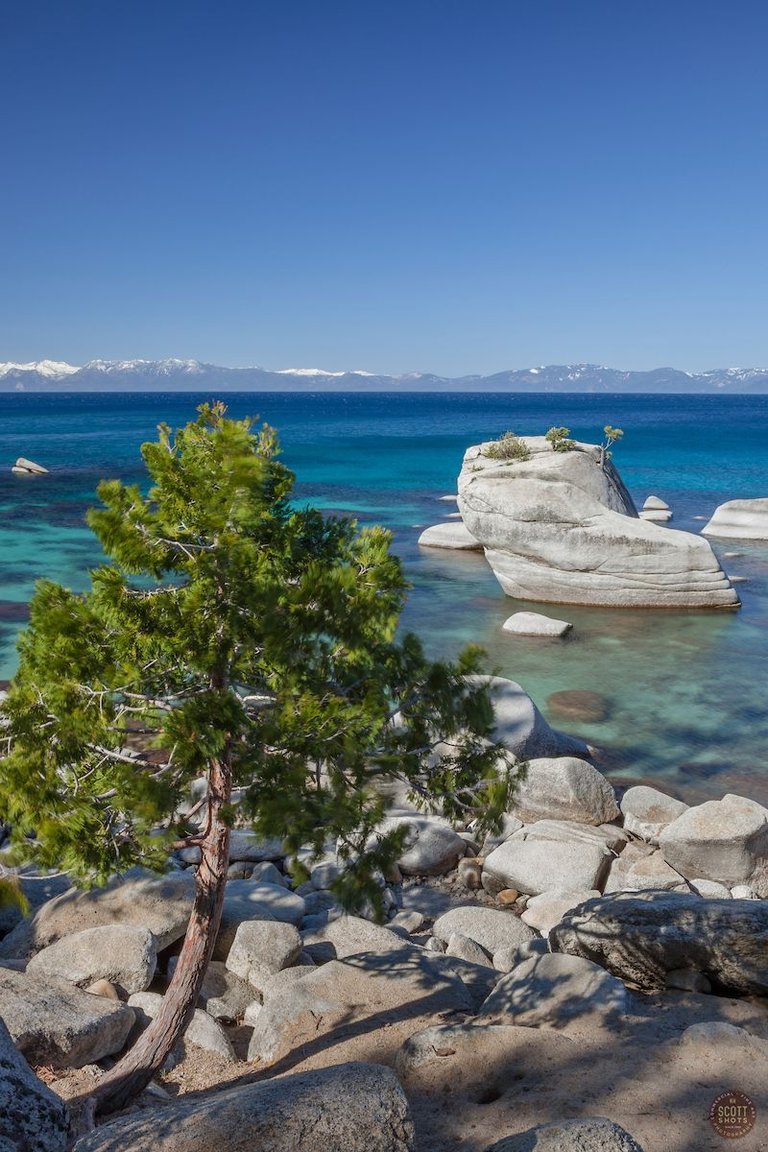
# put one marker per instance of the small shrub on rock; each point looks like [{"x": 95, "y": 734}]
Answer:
[
  {"x": 508, "y": 447},
  {"x": 558, "y": 438}
]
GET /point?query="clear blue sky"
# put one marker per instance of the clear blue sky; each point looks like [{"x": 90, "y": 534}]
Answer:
[{"x": 400, "y": 185}]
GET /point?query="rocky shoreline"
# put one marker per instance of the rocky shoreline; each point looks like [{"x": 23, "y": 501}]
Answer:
[{"x": 601, "y": 965}]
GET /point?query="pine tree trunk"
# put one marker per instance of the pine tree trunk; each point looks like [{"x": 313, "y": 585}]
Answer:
[{"x": 132, "y": 1074}]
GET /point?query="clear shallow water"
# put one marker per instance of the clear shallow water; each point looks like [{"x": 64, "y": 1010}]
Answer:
[{"x": 685, "y": 690}]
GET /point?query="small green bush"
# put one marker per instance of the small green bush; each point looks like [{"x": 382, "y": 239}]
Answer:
[
  {"x": 558, "y": 438},
  {"x": 508, "y": 447}
]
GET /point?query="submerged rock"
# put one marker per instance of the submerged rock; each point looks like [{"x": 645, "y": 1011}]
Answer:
[{"x": 559, "y": 528}]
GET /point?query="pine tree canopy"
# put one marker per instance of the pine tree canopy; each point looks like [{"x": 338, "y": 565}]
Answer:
[{"x": 229, "y": 626}]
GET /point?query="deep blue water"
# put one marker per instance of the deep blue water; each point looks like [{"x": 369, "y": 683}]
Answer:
[{"x": 685, "y": 690}]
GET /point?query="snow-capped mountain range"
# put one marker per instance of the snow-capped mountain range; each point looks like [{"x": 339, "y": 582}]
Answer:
[{"x": 194, "y": 376}]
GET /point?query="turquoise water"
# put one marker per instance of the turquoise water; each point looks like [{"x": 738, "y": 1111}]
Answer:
[{"x": 685, "y": 691}]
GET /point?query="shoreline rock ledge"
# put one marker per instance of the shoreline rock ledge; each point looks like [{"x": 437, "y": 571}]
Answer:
[{"x": 560, "y": 528}]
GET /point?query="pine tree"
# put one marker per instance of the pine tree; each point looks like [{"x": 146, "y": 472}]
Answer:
[{"x": 234, "y": 638}]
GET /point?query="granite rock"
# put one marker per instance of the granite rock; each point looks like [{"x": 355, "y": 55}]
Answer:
[{"x": 558, "y": 528}]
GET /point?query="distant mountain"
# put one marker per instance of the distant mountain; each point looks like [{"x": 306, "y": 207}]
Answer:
[{"x": 194, "y": 376}]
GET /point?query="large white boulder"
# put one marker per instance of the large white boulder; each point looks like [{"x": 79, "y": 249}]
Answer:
[
  {"x": 564, "y": 788},
  {"x": 536, "y": 866},
  {"x": 742, "y": 519},
  {"x": 641, "y": 936},
  {"x": 124, "y": 954},
  {"x": 558, "y": 528},
  {"x": 724, "y": 840}
]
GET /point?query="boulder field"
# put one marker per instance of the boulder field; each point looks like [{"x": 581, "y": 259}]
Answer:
[
  {"x": 589, "y": 978},
  {"x": 560, "y": 528}
]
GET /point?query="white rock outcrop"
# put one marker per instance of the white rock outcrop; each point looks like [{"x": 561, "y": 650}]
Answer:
[
  {"x": 558, "y": 528},
  {"x": 741, "y": 519}
]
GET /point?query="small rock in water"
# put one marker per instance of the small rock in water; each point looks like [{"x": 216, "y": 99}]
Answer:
[
  {"x": 535, "y": 624},
  {"x": 28, "y": 467},
  {"x": 578, "y": 704}
]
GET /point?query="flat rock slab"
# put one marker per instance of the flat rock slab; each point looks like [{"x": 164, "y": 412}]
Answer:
[
  {"x": 587, "y": 1134},
  {"x": 161, "y": 904},
  {"x": 52, "y": 1022},
  {"x": 535, "y": 624},
  {"x": 471, "y": 1085},
  {"x": 641, "y": 936},
  {"x": 124, "y": 954},
  {"x": 349, "y": 1108},
  {"x": 564, "y": 788},
  {"x": 32, "y": 1118},
  {"x": 453, "y": 535},
  {"x": 536, "y": 866}
]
